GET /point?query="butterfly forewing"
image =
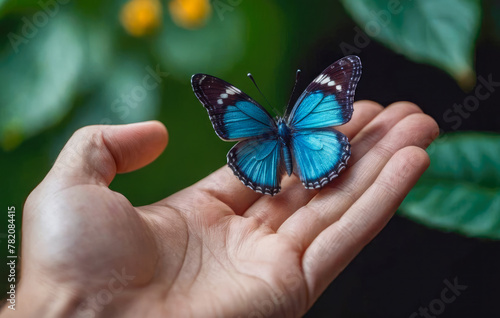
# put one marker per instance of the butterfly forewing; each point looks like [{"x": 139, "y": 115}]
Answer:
[
  {"x": 256, "y": 158},
  {"x": 328, "y": 100},
  {"x": 234, "y": 115},
  {"x": 320, "y": 152}
]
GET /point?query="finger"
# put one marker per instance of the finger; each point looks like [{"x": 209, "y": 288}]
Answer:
[
  {"x": 338, "y": 244},
  {"x": 364, "y": 111},
  {"x": 368, "y": 133},
  {"x": 228, "y": 189},
  {"x": 378, "y": 128},
  {"x": 94, "y": 154},
  {"x": 329, "y": 205},
  {"x": 272, "y": 211}
]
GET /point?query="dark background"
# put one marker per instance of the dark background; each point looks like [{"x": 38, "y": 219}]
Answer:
[{"x": 404, "y": 267}]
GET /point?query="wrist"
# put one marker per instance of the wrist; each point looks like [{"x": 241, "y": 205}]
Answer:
[{"x": 34, "y": 298}]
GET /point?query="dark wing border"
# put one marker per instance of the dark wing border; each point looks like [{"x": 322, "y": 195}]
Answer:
[
  {"x": 335, "y": 71},
  {"x": 336, "y": 169},
  {"x": 257, "y": 187},
  {"x": 215, "y": 111}
]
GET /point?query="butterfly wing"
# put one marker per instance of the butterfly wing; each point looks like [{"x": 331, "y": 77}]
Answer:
[
  {"x": 327, "y": 101},
  {"x": 319, "y": 155},
  {"x": 319, "y": 152},
  {"x": 234, "y": 115},
  {"x": 256, "y": 158},
  {"x": 257, "y": 163}
]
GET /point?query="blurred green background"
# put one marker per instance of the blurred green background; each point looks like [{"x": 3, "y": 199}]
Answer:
[{"x": 66, "y": 64}]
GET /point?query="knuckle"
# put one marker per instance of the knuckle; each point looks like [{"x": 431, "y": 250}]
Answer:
[{"x": 87, "y": 138}]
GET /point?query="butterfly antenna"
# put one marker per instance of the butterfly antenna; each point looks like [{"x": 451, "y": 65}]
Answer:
[
  {"x": 297, "y": 75},
  {"x": 253, "y": 80}
]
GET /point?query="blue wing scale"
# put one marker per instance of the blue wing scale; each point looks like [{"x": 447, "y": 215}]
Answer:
[
  {"x": 234, "y": 115},
  {"x": 328, "y": 100},
  {"x": 319, "y": 155},
  {"x": 257, "y": 163}
]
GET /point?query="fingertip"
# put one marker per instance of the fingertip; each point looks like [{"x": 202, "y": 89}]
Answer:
[
  {"x": 161, "y": 129},
  {"x": 367, "y": 109},
  {"x": 368, "y": 105},
  {"x": 408, "y": 106},
  {"x": 157, "y": 132},
  {"x": 154, "y": 128},
  {"x": 422, "y": 124},
  {"x": 135, "y": 145},
  {"x": 364, "y": 112}
]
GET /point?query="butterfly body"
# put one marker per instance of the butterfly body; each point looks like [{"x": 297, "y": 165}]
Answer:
[
  {"x": 285, "y": 136},
  {"x": 302, "y": 142}
]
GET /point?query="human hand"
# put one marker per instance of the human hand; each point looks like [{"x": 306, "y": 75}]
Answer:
[{"x": 215, "y": 249}]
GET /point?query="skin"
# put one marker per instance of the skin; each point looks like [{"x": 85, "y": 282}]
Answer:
[{"x": 216, "y": 248}]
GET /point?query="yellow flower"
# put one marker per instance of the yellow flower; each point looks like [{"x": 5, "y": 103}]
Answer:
[
  {"x": 190, "y": 14},
  {"x": 140, "y": 17}
]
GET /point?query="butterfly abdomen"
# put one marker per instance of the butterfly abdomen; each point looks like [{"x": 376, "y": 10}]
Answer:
[
  {"x": 284, "y": 135},
  {"x": 287, "y": 157}
]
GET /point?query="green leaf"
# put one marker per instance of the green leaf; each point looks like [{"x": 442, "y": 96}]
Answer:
[
  {"x": 441, "y": 33},
  {"x": 38, "y": 78},
  {"x": 460, "y": 191},
  {"x": 42, "y": 69}
]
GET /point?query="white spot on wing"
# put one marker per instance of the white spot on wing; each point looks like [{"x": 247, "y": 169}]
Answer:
[
  {"x": 231, "y": 90},
  {"x": 320, "y": 78},
  {"x": 339, "y": 88},
  {"x": 219, "y": 101},
  {"x": 331, "y": 83},
  {"x": 326, "y": 80},
  {"x": 223, "y": 95}
]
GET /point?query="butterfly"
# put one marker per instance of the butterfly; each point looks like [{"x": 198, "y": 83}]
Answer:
[{"x": 301, "y": 142}]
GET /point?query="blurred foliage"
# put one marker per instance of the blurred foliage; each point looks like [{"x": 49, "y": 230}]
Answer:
[
  {"x": 49, "y": 72},
  {"x": 461, "y": 189},
  {"x": 440, "y": 33},
  {"x": 186, "y": 52}
]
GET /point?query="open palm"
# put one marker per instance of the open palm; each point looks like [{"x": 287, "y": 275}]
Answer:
[{"x": 215, "y": 249}]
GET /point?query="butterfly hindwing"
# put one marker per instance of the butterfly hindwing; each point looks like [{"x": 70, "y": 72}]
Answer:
[
  {"x": 257, "y": 163},
  {"x": 234, "y": 115},
  {"x": 328, "y": 100},
  {"x": 319, "y": 155}
]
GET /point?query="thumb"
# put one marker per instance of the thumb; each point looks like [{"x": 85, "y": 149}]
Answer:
[{"x": 94, "y": 154}]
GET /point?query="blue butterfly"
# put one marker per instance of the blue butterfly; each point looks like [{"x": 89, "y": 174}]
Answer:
[{"x": 301, "y": 142}]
